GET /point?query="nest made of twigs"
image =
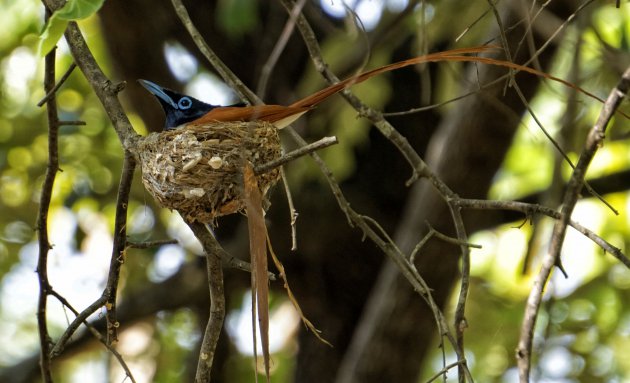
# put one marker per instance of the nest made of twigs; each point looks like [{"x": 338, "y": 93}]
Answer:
[{"x": 198, "y": 169}]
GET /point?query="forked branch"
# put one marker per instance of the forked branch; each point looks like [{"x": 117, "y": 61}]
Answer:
[{"x": 593, "y": 142}]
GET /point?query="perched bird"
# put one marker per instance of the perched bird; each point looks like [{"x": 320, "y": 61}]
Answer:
[{"x": 181, "y": 109}]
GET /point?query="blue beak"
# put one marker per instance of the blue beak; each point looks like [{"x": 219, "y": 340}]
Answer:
[{"x": 158, "y": 91}]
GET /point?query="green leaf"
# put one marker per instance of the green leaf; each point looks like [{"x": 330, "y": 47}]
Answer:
[
  {"x": 72, "y": 10},
  {"x": 51, "y": 34},
  {"x": 79, "y": 9}
]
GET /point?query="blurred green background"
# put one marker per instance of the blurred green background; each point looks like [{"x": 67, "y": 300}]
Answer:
[{"x": 585, "y": 319}]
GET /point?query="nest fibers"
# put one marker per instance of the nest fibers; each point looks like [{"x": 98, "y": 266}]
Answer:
[{"x": 198, "y": 169}]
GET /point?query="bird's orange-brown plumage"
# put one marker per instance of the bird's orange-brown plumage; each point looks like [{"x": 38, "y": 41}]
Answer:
[{"x": 281, "y": 116}]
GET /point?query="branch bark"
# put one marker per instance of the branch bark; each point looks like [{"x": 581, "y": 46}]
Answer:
[
  {"x": 593, "y": 142},
  {"x": 213, "y": 251},
  {"x": 42, "y": 220}
]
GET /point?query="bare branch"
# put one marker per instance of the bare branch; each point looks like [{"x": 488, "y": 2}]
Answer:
[
  {"x": 108, "y": 298},
  {"x": 528, "y": 209},
  {"x": 419, "y": 169},
  {"x": 292, "y": 211},
  {"x": 150, "y": 244},
  {"x": 72, "y": 123},
  {"x": 74, "y": 326},
  {"x": 213, "y": 251},
  {"x": 107, "y": 93},
  {"x": 301, "y": 151},
  {"x": 265, "y": 72},
  {"x": 593, "y": 142},
  {"x": 42, "y": 217},
  {"x": 61, "y": 81},
  {"x": 96, "y": 335},
  {"x": 103, "y": 87},
  {"x": 226, "y": 74},
  {"x": 119, "y": 246}
]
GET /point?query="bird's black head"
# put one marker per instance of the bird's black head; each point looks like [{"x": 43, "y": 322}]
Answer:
[{"x": 178, "y": 108}]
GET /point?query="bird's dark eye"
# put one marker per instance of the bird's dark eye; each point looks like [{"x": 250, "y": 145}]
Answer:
[{"x": 184, "y": 103}]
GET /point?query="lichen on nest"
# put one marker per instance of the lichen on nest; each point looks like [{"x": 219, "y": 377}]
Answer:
[{"x": 198, "y": 169}]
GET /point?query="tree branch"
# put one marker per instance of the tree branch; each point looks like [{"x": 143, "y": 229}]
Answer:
[
  {"x": 226, "y": 74},
  {"x": 119, "y": 246},
  {"x": 44, "y": 205},
  {"x": 55, "y": 88},
  {"x": 213, "y": 251},
  {"x": 108, "y": 298},
  {"x": 593, "y": 142},
  {"x": 419, "y": 168},
  {"x": 97, "y": 335},
  {"x": 299, "y": 152},
  {"x": 106, "y": 91}
]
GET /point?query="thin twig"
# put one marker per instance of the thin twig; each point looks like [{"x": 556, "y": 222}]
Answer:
[
  {"x": 107, "y": 94},
  {"x": 228, "y": 260},
  {"x": 232, "y": 262},
  {"x": 96, "y": 335},
  {"x": 108, "y": 297},
  {"x": 292, "y": 155},
  {"x": 265, "y": 73},
  {"x": 504, "y": 40},
  {"x": 419, "y": 168},
  {"x": 529, "y": 209},
  {"x": 434, "y": 233},
  {"x": 445, "y": 370},
  {"x": 471, "y": 25},
  {"x": 593, "y": 142},
  {"x": 459, "y": 319},
  {"x": 213, "y": 251},
  {"x": 42, "y": 217},
  {"x": 76, "y": 323},
  {"x": 558, "y": 148},
  {"x": 61, "y": 81},
  {"x": 226, "y": 74},
  {"x": 72, "y": 123},
  {"x": 293, "y": 214},
  {"x": 150, "y": 244}
]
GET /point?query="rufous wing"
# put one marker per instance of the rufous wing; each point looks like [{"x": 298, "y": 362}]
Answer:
[{"x": 280, "y": 116}]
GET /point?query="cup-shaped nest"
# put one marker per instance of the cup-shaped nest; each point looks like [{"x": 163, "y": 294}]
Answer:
[{"x": 198, "y": 169}]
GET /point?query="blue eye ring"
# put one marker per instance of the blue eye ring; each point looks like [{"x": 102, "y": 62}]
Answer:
[{"x": 184, "y": 103}]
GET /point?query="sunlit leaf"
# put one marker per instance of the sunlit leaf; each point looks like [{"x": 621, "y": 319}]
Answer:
[
  {"x": 79, "y": 9},
  {"x": 56, "y": 25},
  {"x": 51, "y": 34}
]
